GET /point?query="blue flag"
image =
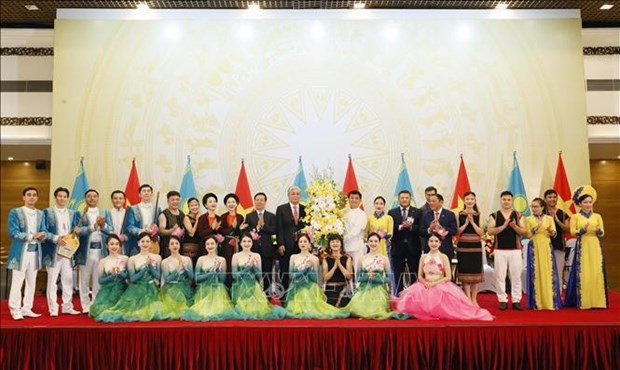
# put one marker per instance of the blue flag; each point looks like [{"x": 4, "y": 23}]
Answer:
[
  {"x": 80, "y": 186},
  {"x": 403, "y": 183},
  {"x": 300, "y": 181},
  {"x": 516, "y": 187},
  {"x": 188, "y": 189}
]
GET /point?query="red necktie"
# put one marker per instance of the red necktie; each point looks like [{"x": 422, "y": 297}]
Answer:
[{"x": 295, "y": 214}]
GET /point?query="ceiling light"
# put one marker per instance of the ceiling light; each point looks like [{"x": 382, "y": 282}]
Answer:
[
  {"x": 603, "y": 161},
  {"x": 501, "y": 6},
  {"x": 143, "y": 6},
  {"x": 359, "y": 5},
  {"x": 26, "y": 164},
  {"x": 11, "y": 158},
  {"x": 34, "y": 7},
  {"x": 606, "y": 6},
  {"x": 253, "y": 6}
]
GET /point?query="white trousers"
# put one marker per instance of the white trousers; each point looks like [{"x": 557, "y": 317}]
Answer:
[
  {"x": 62, "y": 266},
  {"x": 508, "y": 261},
  {"x": 89, "y": 278},
  {"x": 27, "y": 272}
]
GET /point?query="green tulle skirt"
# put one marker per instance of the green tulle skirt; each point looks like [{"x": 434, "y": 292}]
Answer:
[
  {"x": 174, "y": 299},
  {"x": 211, "y": 303},
  {"x": 140, "y": 302},
  {"x": 251, "y": 303},
  {"x": 372, "y": 301},
  {"x": 107, "y": 297},
  {"x": 308, "y": 301}
]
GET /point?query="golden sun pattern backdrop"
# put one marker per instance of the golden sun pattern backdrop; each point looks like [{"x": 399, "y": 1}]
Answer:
[{"x": 271, "y": 90}]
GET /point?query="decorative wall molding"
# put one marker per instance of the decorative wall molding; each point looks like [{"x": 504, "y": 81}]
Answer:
[
  {"x": 31, "y": 52},
  {"x": 601, "y": 50},
  {"x": 603, "y": 120},
  {"x": 26, "y": 121},
  {"x": 45, "y": 52}
]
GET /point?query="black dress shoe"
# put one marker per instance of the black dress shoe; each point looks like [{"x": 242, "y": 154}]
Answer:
[
  {"x": 517, "y": 306},
  {"x": 503, "y": 306}
]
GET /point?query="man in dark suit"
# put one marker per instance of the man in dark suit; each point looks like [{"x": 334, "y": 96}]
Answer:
[
  {"x": 442, "y": 221},
  {"x": 289, "y": 220},
  {"x": 262, "y": 226},
  {"x": 406, "y": 248}
]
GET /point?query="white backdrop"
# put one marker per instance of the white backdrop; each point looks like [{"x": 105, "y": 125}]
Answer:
[{"x": 271, "y": 86}]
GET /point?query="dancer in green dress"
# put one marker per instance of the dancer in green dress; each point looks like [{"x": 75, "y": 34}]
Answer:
[
  {"x": 248, "y": 296},
  {"x": 177, "y": 271},
  {"x": 112, "y": 276},
  {"x": 372, "y": 300},
  {"x": 211, "y": 300}
]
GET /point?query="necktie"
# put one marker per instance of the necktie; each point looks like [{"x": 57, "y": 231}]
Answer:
[
  {"x": 260, "y": 218},
  {"x": 404, "y": 214},
  {"x": 295, "y": 214},
  {"x": 436, "y": 216}
]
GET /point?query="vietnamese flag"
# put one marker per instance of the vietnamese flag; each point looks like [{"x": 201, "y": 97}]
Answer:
[
  {"x": 132, "y": 195},
  {"x": 350, "y": 181},
  {"x": 462, "y": 187},
  {"x": 560, "y": 185},
  {"x": 243, "y": 192}
]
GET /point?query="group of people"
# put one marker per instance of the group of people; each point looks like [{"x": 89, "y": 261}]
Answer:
[{"x": 142, "y": 263}]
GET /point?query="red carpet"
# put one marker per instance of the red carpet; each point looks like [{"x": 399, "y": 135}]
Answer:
[{"x": 564, "y": 339}]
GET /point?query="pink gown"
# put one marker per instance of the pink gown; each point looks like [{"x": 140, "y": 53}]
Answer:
[{"x": 445, "y": 301}]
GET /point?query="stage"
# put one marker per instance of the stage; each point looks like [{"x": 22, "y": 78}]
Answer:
[{"x": 564, "y": 339}]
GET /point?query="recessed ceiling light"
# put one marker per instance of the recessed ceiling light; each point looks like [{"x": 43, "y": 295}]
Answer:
[
  {"x": 26, "y": 163},
  {"x": 253, "y": 6},
  {"x": 603, "y": 161},
  {"x": 501, "y": 6},
  {"x": 34, "y": 7},
  {"x": 143, "y": 6},
  {"x": 359, "y": 5},
  {"x": 11, "y": 158},
  {"x": 606, "y": 6}
]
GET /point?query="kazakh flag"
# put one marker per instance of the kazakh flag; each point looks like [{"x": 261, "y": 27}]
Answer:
[
  {"x": 188, "y": 189},
  {"x": 80, "y": 186},
  {"x": 300, "y": 181},
  {"x": 403, "y": 183},
  {"x": 516, "y": 187}
]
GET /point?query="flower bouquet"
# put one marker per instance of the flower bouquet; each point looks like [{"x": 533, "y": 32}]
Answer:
[{"x": 324, "y": 210}]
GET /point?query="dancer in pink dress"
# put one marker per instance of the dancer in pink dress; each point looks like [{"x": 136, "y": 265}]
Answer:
[{"x": 434, "y": 296}]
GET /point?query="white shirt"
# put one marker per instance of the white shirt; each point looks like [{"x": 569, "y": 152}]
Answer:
[
  {"x": 95, "y": 236},
  {"x": 31, "y": 223},
  {"x": 355, "y": 225},
  {"x": 117, "y": 216},
  {"x": 146, "y": 209},
  {"x": 63, "y": 223}
]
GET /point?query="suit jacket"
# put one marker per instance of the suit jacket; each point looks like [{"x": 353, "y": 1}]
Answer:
[
  {"x": 405, "y": 238},
  {"x": 447, "y": 220},
  {"x": 264, "y": 245},
  {"x": 286, "y": 227},
  {"x": 18, "y": 228},
  {"x": 50, "y": 223}
]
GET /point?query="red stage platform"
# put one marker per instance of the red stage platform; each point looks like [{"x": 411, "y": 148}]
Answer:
[{"x": 564, "y": 339}]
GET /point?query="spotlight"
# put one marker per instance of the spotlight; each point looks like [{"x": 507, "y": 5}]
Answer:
[
  {"x": 11, "y": 158},
  {"x": 501, "y": 6},
  {"x": 606, "y": 6},
  {"x": 31, "y": 7},
  {"x": 359, "y": 5},
  {"x": 143, "y": 6},
  {"x": 253, "y": 6}
]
